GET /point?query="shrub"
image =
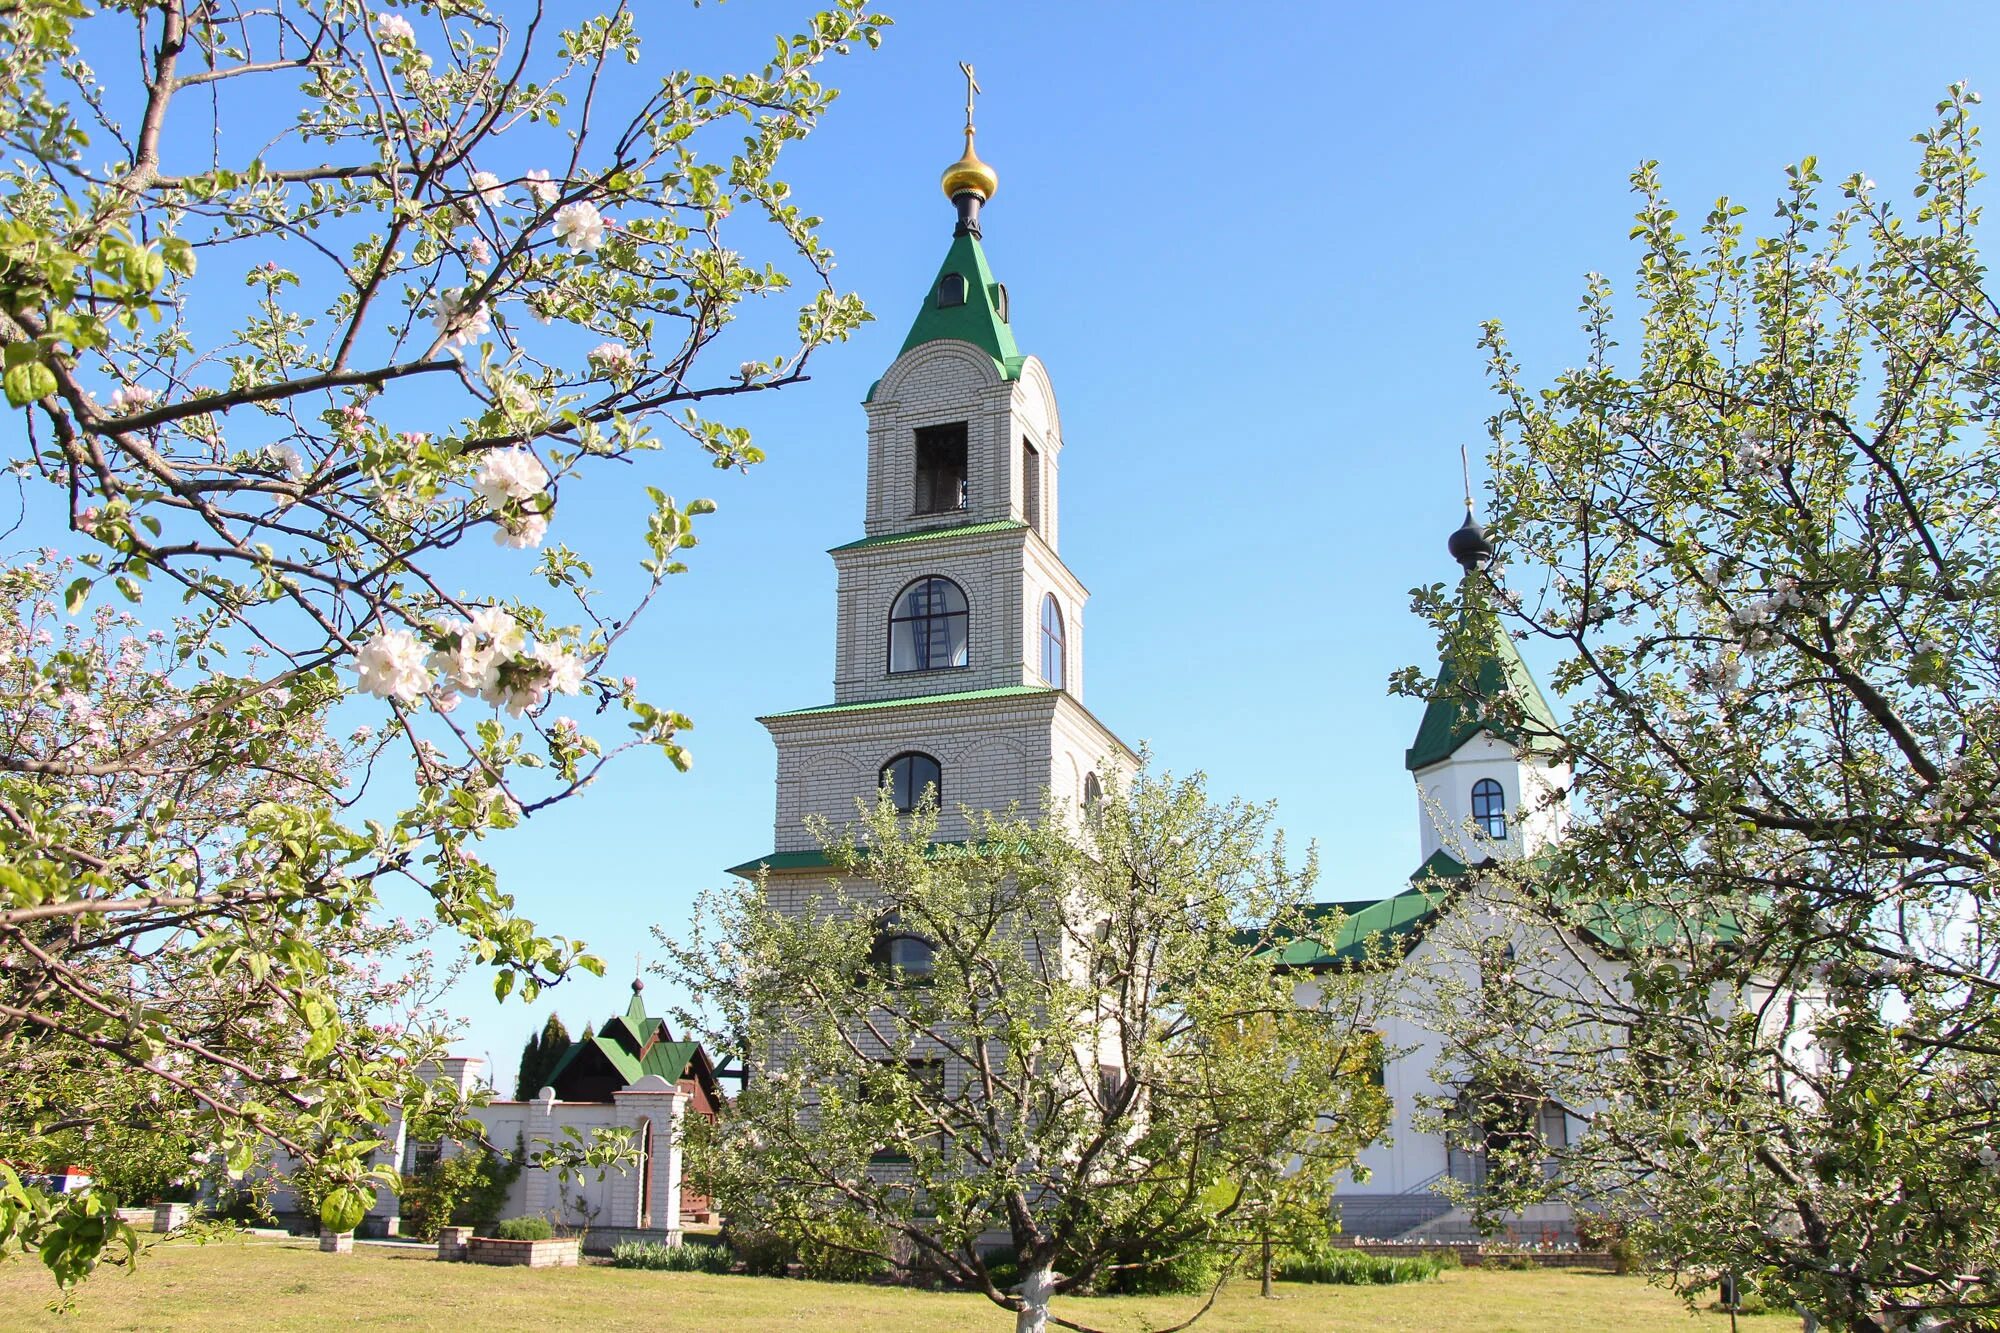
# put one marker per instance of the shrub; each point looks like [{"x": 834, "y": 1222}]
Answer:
[
  {"x": 652, "y": 1255},
  {"x": 525, "y": 1228},
  {"x": 842, "y": 1248},
  {"x": 1624, "y": 1255},
  {"x": 761, "y": 1250},
  {"x": 1356, "y": 1268},
  {"x": 467, "y": 1189}
]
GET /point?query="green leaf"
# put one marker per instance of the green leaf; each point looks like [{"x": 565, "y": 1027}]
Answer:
[
  {"x": 29, "y": 382},
  {"x": 73, "y": 595}
]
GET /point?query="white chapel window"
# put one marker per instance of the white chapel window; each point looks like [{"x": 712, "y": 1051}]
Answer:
[{"x": 1489, "y": 808}]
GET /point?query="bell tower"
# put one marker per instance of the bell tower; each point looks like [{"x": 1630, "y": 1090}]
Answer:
[
  {"x": 959, "y": 631},
  {"x": 1488, "y": 781}
]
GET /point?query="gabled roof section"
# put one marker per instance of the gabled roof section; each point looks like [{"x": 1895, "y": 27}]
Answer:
[
  {"x": 1454, "y": 715},
  {"x": 1398, "y": 922},
  {"x": 978, "y": 320}
]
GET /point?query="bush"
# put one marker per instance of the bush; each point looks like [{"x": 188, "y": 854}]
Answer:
[
  {"x": 467, "y": 1189},
  {"x": 842, "y": 1248},
  {"x": 652, "y": 1255},
  {"x": 526, "y": 1228},
  {"x": 1359, "y": 1268},
  {"x": 761, "y": 1251}
]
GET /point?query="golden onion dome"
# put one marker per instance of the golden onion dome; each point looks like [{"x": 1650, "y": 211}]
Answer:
[{"x": 970, "y": 175}]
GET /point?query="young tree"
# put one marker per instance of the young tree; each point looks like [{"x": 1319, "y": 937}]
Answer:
[
  {"x": 453, "y": 262},
  {"x": 1764, "y": 538},
  {"x": 1047, "y": 1074}
]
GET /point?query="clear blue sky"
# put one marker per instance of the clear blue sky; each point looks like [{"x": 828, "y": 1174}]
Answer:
[{"x": 1253, "y": 245}]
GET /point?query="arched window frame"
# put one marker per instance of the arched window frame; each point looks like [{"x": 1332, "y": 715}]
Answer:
[
  {"x": 934, "y": 781},
  {"x": 923, "y": 642},
  {"x": 1055, "y": 642},
  {"x": 1093, "y": 791},
  {"x": 901, "y": 966},
  {"x": 951, "y": 290},
  {"x": 1489, "y": 808}
]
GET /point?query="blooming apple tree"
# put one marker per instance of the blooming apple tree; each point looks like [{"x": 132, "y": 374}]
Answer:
[
  {"x": 1762, "y": 538},
  {"x": 295, "y": 301}
]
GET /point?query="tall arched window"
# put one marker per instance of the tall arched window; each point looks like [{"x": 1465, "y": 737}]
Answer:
[
  {"x": 927, "y": 627},
  {"x": 1489, "y": 807},
  {"x": 1093, "y": 791},
  {"x": 1052, "y": 641},
  {"x": 911, "y": 776},
  {"x": 899, "y": 953}
]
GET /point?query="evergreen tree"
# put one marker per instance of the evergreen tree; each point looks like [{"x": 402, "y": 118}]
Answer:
[{"x": 539, "y": 1056}]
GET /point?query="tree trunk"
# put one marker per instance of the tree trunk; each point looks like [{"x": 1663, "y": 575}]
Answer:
[
  {"x": 1036, "y": 1289},
  {"x": 1266, "y": 1268}
]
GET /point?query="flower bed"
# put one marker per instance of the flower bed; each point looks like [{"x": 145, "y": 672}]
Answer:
[{"x": 557, "y": 1253}]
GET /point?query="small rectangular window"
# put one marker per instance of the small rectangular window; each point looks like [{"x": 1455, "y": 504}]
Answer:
[
  {"x": 1031, "y": 485},
  {"x": 941, "y": 469}
]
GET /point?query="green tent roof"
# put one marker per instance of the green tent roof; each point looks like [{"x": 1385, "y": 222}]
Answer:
[
  {"x": 1454, "y": 717},
  {"x": 976, "y": 320}
]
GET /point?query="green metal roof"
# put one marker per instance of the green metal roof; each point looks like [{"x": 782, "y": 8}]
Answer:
[
  {"x": 1453, "y": 716},
  {"x": 962, "y": 530},
  {"x": 912, "y": 701},
  {"x": 624, "y": 1038},
  {"x": 978, "y": 320}
]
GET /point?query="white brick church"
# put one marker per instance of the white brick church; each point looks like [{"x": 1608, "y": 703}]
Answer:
[{"x": 959, "y": 665}]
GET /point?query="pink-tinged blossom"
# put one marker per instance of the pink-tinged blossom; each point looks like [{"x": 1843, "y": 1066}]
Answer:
[
  {"x": 509, "y": 474},
  {"x": 612, "y": 356},
  {"x": 579, "y": 226},
  {"x": 414, "y": 438},
  {"x": 133, "y": 398},
  {"x": 541, "y": 187},
  {"x": 391, "y": 666},
  {"x": 86, "y": 521},
  {"x": 478, "y": 251},
  {"x": 461, "y": 323},
  {"x": 488, "y": 186},
  {"x": 394, "y": 28}
]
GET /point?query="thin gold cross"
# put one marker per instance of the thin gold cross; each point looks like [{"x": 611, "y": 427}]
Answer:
[{"x": 971, "y": 87}]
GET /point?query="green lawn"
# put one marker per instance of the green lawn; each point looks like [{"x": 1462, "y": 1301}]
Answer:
[{"x": 253, "y": 1284}]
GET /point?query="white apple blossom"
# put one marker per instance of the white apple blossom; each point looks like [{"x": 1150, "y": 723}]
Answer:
[
  {"x": 394, "y": 28},
  {"x": 541, "y": 187},
  {"x": 286, "y": 459},
  {"x": 522, "y": 533},
  {"x": 612, "y": 356},
  {"x": 509, "y": 474},
  {"x": 579, "y": 226},
  {"x": 489, "y": 188},
  {"x": 391, "y": 666},
  {"x": 478, "y": 251},
  {"x": 565, "y": 668},
  {"x": 501, "y": 632},
  {"x": 462, "y": 324}
]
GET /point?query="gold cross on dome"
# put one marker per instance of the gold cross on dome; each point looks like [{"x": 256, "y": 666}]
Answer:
[{"x": 971, "y": 87}]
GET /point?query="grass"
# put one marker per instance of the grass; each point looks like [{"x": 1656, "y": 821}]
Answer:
[{"x": 269, "y": 1284}]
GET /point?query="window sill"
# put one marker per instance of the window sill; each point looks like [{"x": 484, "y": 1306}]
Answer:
[{"x": 928, "y": 671}]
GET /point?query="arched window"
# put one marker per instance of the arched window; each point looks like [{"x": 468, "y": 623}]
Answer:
[
  {"x": 927, "y": 627},
  {"x": 910, "y": 777},
  {"x": 1489, "y": 808},
  {"x": 1052, "y": 641},
  {"x": 899, "y": 953},
  {"x": 951, "y": 290},
  {"x": 1093, "y": 791}
]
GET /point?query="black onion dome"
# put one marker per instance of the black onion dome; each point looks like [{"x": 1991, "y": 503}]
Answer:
[{"x": 1468, "y": 545}]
